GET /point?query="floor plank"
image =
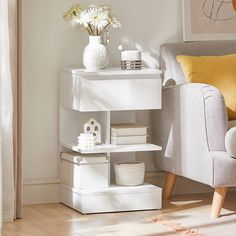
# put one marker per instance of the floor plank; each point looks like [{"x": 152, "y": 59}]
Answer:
[{"x": 59, "y": 220}]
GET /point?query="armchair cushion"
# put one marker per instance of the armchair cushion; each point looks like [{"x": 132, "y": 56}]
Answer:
[
  {"x": 230, "y": 142},
  {"x": 218, "y": 71}
]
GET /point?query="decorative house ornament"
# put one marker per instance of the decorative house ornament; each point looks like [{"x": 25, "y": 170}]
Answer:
[
  {"x": 130, "y": 59},
  {"x": 94, "y": 128},
  {"x": 96, "y": 20}
]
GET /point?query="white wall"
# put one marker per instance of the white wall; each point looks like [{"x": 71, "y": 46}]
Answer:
[{"x": 49, "y": 44}]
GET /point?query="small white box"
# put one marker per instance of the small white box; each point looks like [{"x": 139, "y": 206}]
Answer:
[{"x": 84, "y": 171}]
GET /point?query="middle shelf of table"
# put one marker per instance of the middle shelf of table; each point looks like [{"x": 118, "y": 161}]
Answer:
[{"x": 72, "y": 125}]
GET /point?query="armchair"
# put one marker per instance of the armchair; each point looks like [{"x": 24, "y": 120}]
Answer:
[{"x": 193, "y": 124}]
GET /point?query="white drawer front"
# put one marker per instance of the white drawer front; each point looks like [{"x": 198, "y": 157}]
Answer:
[
  {"x": 111, "y": 94},
  {"x": 133, "y": 94}
]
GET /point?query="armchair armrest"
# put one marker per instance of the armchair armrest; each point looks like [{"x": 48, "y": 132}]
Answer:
[
  {"x": 230, "y": 142},
  {"x": 191, "y": 124},
  {"x": 215, "y": 114}
]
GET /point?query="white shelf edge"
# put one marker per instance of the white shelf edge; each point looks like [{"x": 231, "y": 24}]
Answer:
[
  {"x": 112, "y": 71},
  {"x": 113, "y": 148},
  {"x": 115, "y": 189}
]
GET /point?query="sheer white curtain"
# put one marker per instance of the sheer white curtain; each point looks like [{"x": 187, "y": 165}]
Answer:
[{"x": 6, "y": 117}]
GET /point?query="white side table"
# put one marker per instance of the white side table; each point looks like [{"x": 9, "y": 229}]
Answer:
[{"x": 110, "y": 95}]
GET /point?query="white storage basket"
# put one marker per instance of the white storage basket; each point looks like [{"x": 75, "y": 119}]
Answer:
[{"x": 129, "y": 174}]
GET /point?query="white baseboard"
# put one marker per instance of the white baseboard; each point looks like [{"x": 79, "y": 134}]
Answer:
[{"x": 40, "y": 191}]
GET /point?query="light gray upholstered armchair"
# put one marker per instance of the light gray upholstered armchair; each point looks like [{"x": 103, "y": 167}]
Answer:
[{"x": 193, "y": 124}]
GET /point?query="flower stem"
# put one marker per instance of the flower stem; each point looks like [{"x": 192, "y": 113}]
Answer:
[
  {"x": 104, "y": 29},
  {"x": 90, "y": 28}
]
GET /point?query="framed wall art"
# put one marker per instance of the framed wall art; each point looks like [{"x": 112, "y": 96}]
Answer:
[{"x": 209, "y": 20}]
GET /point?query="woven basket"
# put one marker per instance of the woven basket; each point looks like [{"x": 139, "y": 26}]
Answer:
[{"x": 129, "y": 174}]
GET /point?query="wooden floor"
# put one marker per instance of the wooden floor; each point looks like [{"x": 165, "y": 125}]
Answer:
[{"x": 59, "y": 220}]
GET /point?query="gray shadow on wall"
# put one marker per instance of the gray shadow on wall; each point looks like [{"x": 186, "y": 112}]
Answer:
[
  {"x": 166, "y": 124},
  {"x": 150, "y": 56}
]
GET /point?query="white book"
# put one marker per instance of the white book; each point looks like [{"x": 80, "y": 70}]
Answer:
[
  {"x": 126, "y": 140},
  {"x": 128, "y": 130}
]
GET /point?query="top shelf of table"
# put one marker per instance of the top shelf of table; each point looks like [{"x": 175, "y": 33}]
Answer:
[{"x": 113, "y": 73}]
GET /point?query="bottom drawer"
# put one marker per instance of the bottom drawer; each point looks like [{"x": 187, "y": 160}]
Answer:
[{"x": 112, "y": 199}]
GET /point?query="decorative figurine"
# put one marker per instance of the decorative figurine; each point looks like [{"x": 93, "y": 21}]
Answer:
[{"x": 94, "y": 128}]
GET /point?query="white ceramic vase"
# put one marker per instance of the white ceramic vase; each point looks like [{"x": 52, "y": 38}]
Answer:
[{"x": 95, "y": 55}]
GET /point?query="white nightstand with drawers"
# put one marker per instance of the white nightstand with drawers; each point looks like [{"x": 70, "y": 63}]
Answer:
[{"x": 111, "y": 95}]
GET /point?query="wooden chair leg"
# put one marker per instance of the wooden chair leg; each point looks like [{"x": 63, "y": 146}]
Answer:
[
  {"x": 218, "y": 201},
  {"x": 169, "y": 185}
]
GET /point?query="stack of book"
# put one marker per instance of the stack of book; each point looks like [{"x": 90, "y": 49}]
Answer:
[{"x": 122, "y": 134}]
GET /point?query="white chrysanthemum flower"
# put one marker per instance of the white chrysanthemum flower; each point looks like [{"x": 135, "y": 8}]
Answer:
[
  {"x": 83, "y": 19},
  {"x": 98, "y": 18},
  {"x": 94, "y": 19},
  {"x": 115, "y": 22},
  {"x": 72, "y": 12},
  {"x": 74, "y": 21}
]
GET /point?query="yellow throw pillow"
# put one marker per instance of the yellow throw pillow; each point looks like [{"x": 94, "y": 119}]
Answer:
[{"x": 218, "y": 71}]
